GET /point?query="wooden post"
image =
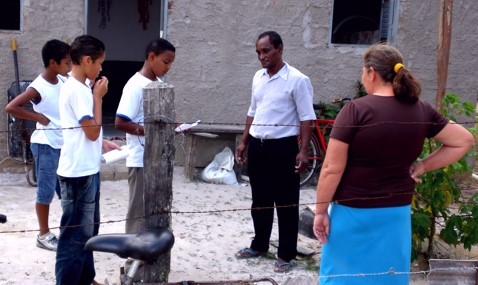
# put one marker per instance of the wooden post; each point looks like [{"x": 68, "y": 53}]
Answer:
[
  {"x": 443, "y": 54},
  {"x": 159, "y": 151}
]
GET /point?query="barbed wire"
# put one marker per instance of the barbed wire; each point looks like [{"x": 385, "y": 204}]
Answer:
[
  {"x": 173, "y": 212},
  {"x": 166, "y": 120},
  {"x": 170, "y": 121},
  {"x": 392, "y": 271}
]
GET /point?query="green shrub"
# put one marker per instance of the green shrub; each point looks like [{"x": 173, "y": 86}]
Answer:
[
  {"x": 330, "y": 110},
  {"x": 439, "y": 190}
]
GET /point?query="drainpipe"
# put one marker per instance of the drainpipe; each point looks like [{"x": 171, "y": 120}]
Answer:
[{"x": 163, "y": 26}]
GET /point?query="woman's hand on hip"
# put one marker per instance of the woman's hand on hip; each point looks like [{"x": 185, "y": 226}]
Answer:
[{"x": 321, "y": 226}]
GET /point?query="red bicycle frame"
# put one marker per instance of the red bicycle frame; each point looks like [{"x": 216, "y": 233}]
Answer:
[{"x": 321, "y": 126}]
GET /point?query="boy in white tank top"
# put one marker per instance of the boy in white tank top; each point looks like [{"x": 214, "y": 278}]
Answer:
[{"x": 46, "y": 140}]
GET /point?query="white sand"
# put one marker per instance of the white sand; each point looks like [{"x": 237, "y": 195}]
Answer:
[
  {"x": 204, "y": 247},
  {"x": 203, "y": 251}
]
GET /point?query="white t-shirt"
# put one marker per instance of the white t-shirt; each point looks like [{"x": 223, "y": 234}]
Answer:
[
  {"x": 279, "y": 103},
  {"x": 79, "y": 155},
  {"x": 131, "y": 108},
  {"x": 48, "y": 106}
]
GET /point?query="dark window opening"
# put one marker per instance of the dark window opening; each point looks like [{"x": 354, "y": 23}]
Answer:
[
  {"x": 362, "y": 22},
  {"x": 10, "y": 15}
]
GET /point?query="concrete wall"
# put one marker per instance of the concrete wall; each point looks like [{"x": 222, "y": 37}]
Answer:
[
  {"x": 41, "y": 20},
  {"x": 216, "y": 56},
  {"x": 417, "y": 39}
]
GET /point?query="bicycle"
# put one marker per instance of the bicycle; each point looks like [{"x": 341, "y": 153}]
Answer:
[
  {"x": 318, "y": 142},
  {"x": 145, "y": 247},
  {"x": 19, "y": 133}
]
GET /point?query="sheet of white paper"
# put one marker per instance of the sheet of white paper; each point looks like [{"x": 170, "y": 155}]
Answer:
[
  {"x": 183, "y": 127},
  {"x": 115, "y": 155}
]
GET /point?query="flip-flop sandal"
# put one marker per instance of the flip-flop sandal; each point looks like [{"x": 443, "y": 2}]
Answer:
[
  {"x": 248, "y": 253},
  {"x": 282, "y": 267}
]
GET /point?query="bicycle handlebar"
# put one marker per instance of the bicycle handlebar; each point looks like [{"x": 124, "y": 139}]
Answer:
[
  {"x": 322, "y": 107},
  {"x": 318, "y": 106},
  {"x": 3, "y": 219},
  {"x": 341, "y": 100}
]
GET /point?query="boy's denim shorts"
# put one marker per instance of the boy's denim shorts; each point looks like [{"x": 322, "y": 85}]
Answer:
[{"x": 46, "y": 164}]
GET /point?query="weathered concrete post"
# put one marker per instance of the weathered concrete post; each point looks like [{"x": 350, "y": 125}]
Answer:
[
  {"x": 159, "y": 151},
  {"x": 456, "y": 272}
]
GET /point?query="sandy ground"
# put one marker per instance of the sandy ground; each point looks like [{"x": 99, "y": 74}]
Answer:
[
  {"x": 205, "y": 242},
  {"x": 204, "y": 247}
]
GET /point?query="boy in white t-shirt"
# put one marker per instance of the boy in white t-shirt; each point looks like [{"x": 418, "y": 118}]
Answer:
[
  {"x": 80, "y": 159},
  {"x": 159, "y": 57},
  {"x": 47, "y": 139}
]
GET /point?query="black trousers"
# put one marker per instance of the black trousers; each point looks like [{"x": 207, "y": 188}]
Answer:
[{"x": 271, "y": 169}]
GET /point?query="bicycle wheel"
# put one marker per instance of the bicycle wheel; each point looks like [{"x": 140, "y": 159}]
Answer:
[{"x": 316, "y": 157}]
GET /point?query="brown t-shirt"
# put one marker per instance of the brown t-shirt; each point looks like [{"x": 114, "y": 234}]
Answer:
[{"x": 385, "y": 137}]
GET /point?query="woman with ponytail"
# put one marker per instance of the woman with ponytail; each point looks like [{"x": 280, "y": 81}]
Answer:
[{"x": 366, "y": 185}]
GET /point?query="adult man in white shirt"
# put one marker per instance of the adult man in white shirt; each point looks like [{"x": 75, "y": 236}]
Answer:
[{"x": 281, "y": 109}]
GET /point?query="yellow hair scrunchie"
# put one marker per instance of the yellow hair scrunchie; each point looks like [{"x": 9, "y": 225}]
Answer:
[{"x": 398, "y": 66}]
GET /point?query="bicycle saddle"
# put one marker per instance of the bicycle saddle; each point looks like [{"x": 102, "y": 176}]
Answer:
[{"x": 145, "y": 246}]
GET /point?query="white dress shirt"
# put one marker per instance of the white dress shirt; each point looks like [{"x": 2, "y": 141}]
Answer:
[{"x": 279, "y": 103}]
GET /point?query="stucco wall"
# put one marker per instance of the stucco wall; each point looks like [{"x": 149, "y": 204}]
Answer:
[
  {"x": 216, "y": 56},
  {"x": 41, "y": 20},
  {"x": 417, "y": 39},
  {"x": 216, "y": 51}
]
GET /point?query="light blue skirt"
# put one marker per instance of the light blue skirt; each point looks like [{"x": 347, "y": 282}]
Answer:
[{"x": 367, "y": 246}]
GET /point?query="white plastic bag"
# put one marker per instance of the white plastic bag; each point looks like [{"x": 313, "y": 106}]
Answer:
[{"x": 221, "y": 169}]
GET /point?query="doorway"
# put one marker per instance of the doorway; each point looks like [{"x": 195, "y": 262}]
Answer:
[{"x": 125, "y": 27}]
